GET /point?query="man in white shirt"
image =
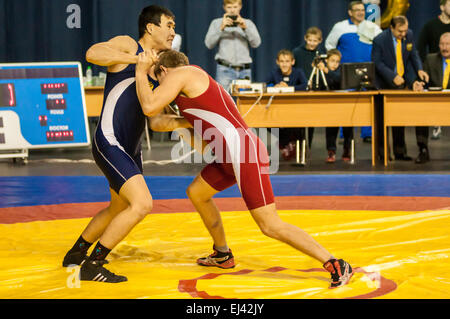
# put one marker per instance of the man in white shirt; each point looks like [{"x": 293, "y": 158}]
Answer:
[{"x": 353, "y": 38}]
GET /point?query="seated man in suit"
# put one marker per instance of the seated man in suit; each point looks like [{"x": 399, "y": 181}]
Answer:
[
  {"x": 398, "y": 66},
  {"x": 437, "y": 65}
]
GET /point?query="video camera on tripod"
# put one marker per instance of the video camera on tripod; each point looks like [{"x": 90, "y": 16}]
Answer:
[
  {"x": 319, "y": 58},
  {"x": 314, "y": 78}
]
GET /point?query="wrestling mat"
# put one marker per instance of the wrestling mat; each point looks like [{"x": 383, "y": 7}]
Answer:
[{"x": 393, "y": 229}]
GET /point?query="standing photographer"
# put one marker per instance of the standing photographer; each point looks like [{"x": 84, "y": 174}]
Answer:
[{"x": 232, "y": 34}]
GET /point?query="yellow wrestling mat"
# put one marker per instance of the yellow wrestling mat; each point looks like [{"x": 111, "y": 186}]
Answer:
[{"x": 401, "y": 255}]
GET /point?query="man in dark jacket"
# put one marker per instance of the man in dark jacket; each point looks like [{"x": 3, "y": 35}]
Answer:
[
  {"x": 398, "y": 66},
  {"x": 437, "y": 65}
]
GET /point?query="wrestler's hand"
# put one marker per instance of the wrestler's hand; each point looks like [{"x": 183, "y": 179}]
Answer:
[{"x": 146, "y": 60}]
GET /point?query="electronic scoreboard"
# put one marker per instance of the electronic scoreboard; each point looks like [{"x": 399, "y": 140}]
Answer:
[{"x": 42, "y": 105}]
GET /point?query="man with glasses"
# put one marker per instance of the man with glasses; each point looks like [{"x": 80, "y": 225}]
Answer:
[{"x": 353, "y": 38}]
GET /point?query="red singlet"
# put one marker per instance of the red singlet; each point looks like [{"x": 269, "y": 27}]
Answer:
[{"x": 240, "y": 155}]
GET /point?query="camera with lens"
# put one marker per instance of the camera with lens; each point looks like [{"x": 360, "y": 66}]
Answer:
[
  {"x": 234, "y": 18},
  {"x": 319, "y": 58}
]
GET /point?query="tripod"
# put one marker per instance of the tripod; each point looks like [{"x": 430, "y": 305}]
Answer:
[{"x": 315, "y": 76}]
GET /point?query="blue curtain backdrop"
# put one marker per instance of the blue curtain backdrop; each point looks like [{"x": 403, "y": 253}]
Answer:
[{"x": 36, "y": 30}]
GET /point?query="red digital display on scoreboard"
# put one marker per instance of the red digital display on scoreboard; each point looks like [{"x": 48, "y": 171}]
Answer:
[
  {"x": 7, "y": 95},
  {"x": 54, "y": 88}
]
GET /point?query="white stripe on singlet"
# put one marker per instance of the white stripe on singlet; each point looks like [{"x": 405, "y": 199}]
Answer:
[
  {"x": 106, "y": 123},
  {"x": 230, "y": 134},
  {"x": 250, "y": 138},
  {"x": 108, "y": 111}
]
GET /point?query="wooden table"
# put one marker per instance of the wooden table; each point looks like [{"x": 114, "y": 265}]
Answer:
[
  {"x": 408, "y": 108},
  {"x": 310, "y": 109},
  {"x": 94, "y": 100}
]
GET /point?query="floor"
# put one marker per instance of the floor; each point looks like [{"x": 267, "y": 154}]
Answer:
[{"x": 391, "y": 223}]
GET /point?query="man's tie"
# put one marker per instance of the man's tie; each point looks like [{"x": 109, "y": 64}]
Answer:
[
  {"x": 400, "y": 66},
  {"x": 446, "y": 75}
]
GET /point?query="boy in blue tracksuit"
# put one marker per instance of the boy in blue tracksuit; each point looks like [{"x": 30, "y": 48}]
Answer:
[{"x": 282, "y": 76}]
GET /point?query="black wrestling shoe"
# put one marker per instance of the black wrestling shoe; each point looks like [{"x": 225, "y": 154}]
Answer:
[
  {"x": 75, "y": 259},
  {"x": 93, "y": 270},
  {"x": 340, "y": 271}
]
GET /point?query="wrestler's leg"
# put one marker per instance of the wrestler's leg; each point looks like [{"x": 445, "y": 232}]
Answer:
[
  {"x": 99, "y": 222},
  {"x": 200, "y": 193},
  {"x": 94, "y": 230},
  {"x": 272, "y": 226},
  {"x": 134, "y": 192}
]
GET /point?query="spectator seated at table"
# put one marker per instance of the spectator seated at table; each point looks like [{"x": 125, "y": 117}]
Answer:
[
  {"x": 284, "y": 75},
  {"x": 437, "y": 65}
]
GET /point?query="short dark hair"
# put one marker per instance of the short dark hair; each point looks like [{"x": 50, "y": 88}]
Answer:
[
  {"x": 398, "y": 20},
  {"x": 354, "y": 3},
  {"x": 171, "y": 59},
  {"x": 152, "y": 14},
  {"x": 444, "y": 2}
]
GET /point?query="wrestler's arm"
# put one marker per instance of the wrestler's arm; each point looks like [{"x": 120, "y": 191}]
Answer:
[
  {"x": 171, "y": 122},
  {"x": 168, "y": 122},
  {"x": 153, "y": 102},
  {"x": 120, "y": 50}
]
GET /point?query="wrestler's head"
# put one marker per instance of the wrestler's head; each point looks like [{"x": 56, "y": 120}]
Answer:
[
  {"x": 157, "y": 23},
  {"x": 169, "y": 59}
]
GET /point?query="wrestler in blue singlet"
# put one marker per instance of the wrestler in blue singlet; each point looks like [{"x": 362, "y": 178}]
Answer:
[{"x": 116, "y": 145}]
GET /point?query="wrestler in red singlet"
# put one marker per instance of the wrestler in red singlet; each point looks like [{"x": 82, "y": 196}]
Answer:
[{"x": 243, "y": 158}]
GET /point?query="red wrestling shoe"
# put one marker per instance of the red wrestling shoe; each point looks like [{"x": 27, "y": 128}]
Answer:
[
  {"x": 218, "y": 259},
  {"x": 340, "y": 271}
]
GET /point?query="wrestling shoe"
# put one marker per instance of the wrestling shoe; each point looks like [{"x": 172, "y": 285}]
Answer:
[
  {"x": 218, "y": 259},
  {"x": 93, "y": 270},
  {"x": 340, "y": 271},
  {"x": 75, "y": 258}
]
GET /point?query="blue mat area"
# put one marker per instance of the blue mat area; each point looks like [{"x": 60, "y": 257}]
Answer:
[{"x": 47, "y": 190}]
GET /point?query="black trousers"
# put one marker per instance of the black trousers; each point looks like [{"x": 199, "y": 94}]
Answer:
[
  {"x": 398, "y": 138},
  {"x": 422, "y": 133},
  {"x": 331, "y": 136},
  {"x": 292, "y": 134}
]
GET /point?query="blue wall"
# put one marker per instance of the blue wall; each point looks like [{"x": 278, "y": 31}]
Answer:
[{"x": 35, "y": 30}]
